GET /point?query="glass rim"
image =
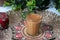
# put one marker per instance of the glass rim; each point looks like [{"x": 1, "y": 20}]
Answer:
[{"x": 37, "y": 18}]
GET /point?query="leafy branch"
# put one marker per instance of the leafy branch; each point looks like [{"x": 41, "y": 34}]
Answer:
[
  {"x": 31, "y": 4},
  {"x": 57, "y": 3},
  {"x": 15, "y": 4}
]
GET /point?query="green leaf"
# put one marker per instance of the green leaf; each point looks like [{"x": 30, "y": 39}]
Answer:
[
  {"x": 7, "y": 4},
  {"x": 59, "y": 10},
  {"x": 59, "y": 1}
]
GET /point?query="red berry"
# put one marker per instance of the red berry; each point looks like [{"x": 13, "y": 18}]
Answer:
[
  {"x": 19, "y": 35},
  {"x": 18, "y": 28},
  {"x": 48, "y": 35}
]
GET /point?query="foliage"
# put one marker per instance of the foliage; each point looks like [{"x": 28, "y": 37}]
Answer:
[
  {"x": 42, "y": 4},
  {"x": 31, "y": 4},
  {"x": 57, "y": 3},
  {"x": 15, "y": 4},
  {"x": 59, "y": 10}
]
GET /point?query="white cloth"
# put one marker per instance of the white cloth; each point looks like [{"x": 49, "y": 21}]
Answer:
[
  {"x": 5, "y": 9},
  {"x": 52, "y": 9}
]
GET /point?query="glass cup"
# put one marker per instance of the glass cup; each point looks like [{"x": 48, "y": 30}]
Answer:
[{"x": 33, "y": 24}]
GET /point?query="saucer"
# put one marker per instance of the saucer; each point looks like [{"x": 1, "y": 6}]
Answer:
[{"x": 24, "y": 33}]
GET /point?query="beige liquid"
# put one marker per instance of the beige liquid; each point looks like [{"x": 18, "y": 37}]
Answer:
[{"x": 33, "y": 24}]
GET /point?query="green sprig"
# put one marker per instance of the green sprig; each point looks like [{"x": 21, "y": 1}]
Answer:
[{"x": 31, "y": 4}]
